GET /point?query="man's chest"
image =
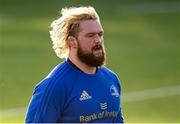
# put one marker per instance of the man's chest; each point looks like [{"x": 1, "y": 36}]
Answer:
[{"x": 93, "y": 100}]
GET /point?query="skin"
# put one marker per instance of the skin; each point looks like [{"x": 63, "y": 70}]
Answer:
[{"x": 90, "y": 35}]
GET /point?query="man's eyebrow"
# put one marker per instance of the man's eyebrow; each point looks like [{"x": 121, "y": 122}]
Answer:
[{"x": 101, "y": 32}]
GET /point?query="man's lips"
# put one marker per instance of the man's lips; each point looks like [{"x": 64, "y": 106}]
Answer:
[
  {"x": 97, "y": 47},
  {"x": 97, "y": 50}
]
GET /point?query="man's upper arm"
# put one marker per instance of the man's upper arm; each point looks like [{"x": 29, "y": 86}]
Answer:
[
  {"x": 120, "y": 118},
  {"x": 44, "y": 106}
]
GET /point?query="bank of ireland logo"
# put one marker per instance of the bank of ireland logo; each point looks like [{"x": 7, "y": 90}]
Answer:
[
  {"x": 114, "y": 91},
  {"x": 103, "y": 106}
]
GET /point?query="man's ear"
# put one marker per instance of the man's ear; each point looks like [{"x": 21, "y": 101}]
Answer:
[{"x": 72, "y": 42}]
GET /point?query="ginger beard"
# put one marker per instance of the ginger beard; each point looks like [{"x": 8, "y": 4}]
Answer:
[{"x": 94, "y": 58}]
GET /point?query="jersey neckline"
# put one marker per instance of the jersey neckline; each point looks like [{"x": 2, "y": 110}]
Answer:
[{"x": 79, "y": 70}]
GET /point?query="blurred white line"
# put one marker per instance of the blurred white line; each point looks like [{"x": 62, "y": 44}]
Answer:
[
  {"x": 4, "y": 19},
  {"x": 12, "y": 112},
  {"x": 126, "y": 97},
  {"x": 151, "y": 94}
]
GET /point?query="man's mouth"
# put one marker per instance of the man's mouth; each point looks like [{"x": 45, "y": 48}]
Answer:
[
  {"x": 97, "y": 47},
  {"x": 97, "y": 50}
]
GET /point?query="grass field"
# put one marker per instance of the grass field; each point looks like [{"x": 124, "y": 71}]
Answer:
[{"x": 143, "y": 47}]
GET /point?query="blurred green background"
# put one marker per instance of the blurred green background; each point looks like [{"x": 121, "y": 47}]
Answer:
[{"x": 142, "y": 39}]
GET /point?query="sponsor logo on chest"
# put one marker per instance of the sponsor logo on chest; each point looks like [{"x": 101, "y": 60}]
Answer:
[{"x": 84, "y": 96}]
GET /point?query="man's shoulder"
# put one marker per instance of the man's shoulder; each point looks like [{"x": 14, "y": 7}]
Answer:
[
  {"x": 59, "y": 74},
  {"x": 108, "y": 72},
  {"x": 59, "y": 77},
  {"x": 62, "y": 71},
  {"x": 58, "y": 70}
]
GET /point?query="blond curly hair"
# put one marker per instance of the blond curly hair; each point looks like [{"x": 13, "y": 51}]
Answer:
[{"x": 68, "y": 25}]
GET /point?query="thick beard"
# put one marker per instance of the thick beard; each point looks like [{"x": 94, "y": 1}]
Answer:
[{"x": 90, "y": 59}]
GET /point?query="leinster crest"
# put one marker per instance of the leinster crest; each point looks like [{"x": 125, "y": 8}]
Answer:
[{"x": 114, "y": 91}]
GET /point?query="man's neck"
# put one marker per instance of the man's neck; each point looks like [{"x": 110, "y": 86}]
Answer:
[{"x": 82, "y": 66}]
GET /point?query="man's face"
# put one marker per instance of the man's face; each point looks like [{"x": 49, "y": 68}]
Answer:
[{"x": 90, "y": 43}]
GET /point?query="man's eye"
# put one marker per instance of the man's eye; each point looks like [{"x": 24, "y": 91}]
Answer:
[
  {"x": 90, "y": 35},
  {"x": 100, "y": 34}
]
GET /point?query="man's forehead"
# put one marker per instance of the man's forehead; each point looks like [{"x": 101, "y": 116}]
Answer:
[{"x": 91, "y": 26}]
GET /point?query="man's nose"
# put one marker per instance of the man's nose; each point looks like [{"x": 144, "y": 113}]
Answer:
[{"x": 98, "y": 39}]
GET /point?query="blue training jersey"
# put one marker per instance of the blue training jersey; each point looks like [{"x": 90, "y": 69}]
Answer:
[{"x": 68, "y": 95}]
